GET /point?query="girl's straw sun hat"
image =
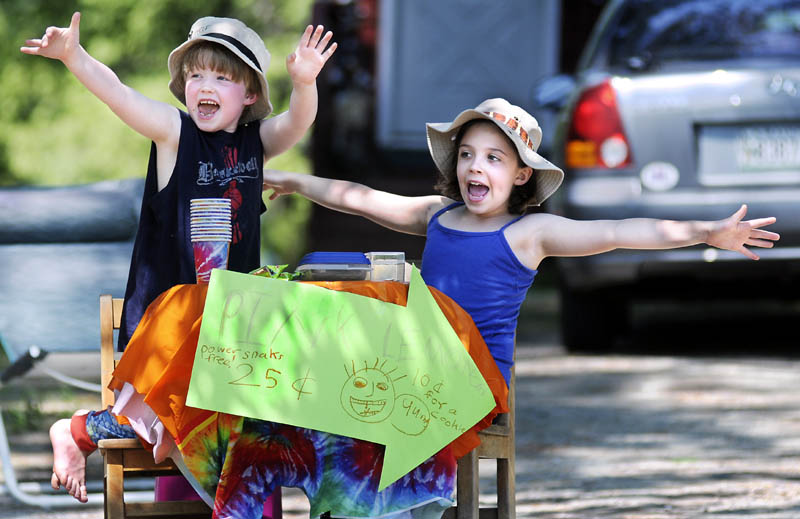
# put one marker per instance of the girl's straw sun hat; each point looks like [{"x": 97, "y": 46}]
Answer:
[
  {"x": 517, "y": 124},
  {"x": 238, "y": 38}
]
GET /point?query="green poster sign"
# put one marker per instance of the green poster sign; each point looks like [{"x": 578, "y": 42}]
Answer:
[{"x": 342, "y": 363}]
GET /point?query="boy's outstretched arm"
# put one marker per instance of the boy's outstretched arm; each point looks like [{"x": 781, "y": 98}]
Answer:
[
  {"x": 283, "y": 131},
  {"x": 155, "y": 120},
  {"x": 549, "y": 235},
  {"x": 408, "y": 214}
]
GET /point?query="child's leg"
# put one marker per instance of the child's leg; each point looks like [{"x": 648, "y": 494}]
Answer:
[{"x": 73, "y": 440}]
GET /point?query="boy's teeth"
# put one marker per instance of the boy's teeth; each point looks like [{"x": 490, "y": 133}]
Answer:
[{"x": 207, "y": 107}]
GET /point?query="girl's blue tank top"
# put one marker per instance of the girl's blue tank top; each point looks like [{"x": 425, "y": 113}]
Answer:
[{"x": 480, "y": 272}]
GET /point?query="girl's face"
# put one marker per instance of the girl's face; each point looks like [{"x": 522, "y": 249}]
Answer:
[
  {"x": 487, "y": 170},
  {"x": 215, "y": 102}
]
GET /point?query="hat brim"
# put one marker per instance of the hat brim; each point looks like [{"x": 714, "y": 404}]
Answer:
[
  {"x": 442, "y": 146},
  {"x": 177, "y": 84}
]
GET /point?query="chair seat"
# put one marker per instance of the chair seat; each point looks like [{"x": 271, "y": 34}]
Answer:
[{"x": 121, "y": 443}]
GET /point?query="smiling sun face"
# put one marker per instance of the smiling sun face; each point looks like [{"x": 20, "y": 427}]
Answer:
[{"x": 368, "y": 395}]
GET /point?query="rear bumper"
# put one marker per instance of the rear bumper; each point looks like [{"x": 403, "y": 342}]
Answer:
[{"x": 609, "y": 198}]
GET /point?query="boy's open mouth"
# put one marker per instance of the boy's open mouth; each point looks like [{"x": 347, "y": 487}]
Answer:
[
  {"x": 477, "y": 191},
  {"x": 207, "y": 107}
]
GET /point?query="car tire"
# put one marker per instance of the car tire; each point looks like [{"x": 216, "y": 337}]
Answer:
[{"x": 593, "y": 320}]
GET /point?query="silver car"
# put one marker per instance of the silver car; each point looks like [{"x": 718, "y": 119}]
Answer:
[{"x": 681, "y": 109}]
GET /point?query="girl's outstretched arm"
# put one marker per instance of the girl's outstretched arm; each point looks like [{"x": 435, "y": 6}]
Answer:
[
  {"x": 549, "y": 235},
  {"x": 155, "y": 120},
  {"x": 408, "y": 214}
]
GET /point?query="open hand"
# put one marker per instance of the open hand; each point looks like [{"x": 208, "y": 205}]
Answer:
[
  {"x": 57, "y": 42},
  {"x": 733, "y": 234},
  {"x": 278, "y": 181},
  {"x": 310, "y": 55}
]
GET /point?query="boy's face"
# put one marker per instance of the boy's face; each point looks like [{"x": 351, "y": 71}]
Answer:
[
  {"x": 488, "y": 169},
  {"x": 214, "y": 100}
]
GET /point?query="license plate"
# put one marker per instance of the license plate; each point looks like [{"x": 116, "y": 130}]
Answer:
[
  {"x": 768, "y": 148},
  {"x": 753, "y": 154}
]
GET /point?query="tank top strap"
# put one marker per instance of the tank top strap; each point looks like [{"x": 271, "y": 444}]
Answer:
[
  {"x": 444, "y": 210},
  {"x": 515, "y": 220}
]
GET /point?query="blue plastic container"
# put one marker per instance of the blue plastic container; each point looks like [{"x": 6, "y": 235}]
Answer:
[{"x": 334, "y": 266}]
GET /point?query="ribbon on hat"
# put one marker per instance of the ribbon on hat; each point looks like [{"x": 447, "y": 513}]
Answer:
[{"x": 513, "y": 124}]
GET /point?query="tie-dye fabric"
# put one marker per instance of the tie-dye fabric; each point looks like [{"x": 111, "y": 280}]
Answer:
[{"x": 241, "y": 460}]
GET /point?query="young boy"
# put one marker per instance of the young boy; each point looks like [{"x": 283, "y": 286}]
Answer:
[{"x": 215, "y": 149}]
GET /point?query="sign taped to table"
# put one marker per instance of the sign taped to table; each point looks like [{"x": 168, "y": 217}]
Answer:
[{"x": 343, "y": 363}]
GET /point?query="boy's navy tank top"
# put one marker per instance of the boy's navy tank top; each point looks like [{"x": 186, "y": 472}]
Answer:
[
  {"x": 209, "y": 165},
  {"x": 480, "y": 272}
]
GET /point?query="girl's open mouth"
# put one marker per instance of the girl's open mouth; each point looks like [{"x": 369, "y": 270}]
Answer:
[{"x": 477, "y": 191}]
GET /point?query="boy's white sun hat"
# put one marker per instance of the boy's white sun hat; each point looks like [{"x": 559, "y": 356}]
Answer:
[
  {"x": 243, "y": 41},
  {"x": 520, "y": 126}
]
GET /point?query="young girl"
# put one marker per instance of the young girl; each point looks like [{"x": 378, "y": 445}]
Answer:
[{"x": 481, "y": 249}]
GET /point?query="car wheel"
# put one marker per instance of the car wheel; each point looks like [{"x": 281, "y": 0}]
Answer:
[{"x": 592, "y": 320}]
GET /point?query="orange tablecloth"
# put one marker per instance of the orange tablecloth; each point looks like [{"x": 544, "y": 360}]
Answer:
[{"x": 160, "y": 355}]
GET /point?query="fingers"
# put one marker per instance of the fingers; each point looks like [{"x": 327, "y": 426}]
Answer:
[
  {"x": 328, "y": 53},
  {"x": 760, "y": 243},
  {"x": 314, "y": 39},
  {"x": 761, "y": 222},
  {"x": 764, "y": 235},
  {"x": 306, "y": 36},
  {"x": 325, "y": 39},
  {"x": 31, "y": 46},
  {"x": 747, "y": 252},
  {"x": 739, "y": 214},
  {"x": 75, "y": 22}
]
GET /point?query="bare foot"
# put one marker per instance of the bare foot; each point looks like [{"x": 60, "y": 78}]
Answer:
[{"x": 69, "y": 462}]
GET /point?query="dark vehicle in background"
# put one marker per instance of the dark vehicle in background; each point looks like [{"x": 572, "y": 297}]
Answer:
[{"x": 679, "y": 109}]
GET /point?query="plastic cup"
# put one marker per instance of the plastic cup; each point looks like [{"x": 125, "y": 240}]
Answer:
[{"x": 209, "y": 201}]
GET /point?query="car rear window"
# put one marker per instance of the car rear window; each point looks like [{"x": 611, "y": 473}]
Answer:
[{"x": 652, "y": 31}]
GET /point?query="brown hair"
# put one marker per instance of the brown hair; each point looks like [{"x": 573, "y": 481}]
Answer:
[
  {"x": 206, "y": 54},
  {"x": 447, "y": 181}
]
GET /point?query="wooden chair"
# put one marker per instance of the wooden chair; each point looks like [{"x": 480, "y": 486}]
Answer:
[
  {"x": 128, "y": 458},
  {"x": 497, "y": 442}
]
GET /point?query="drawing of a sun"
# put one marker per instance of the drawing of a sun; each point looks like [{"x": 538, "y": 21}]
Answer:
[{"x": 368, "y": 394}]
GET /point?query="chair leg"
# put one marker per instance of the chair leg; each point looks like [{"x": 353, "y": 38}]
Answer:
[
  {"x": 114, "y": 498},
  {"x": 467, "y": 492},
  {"x": 506, "y": 493}
]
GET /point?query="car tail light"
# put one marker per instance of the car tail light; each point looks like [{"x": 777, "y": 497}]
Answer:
[{"x": 596, "y": 138}]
